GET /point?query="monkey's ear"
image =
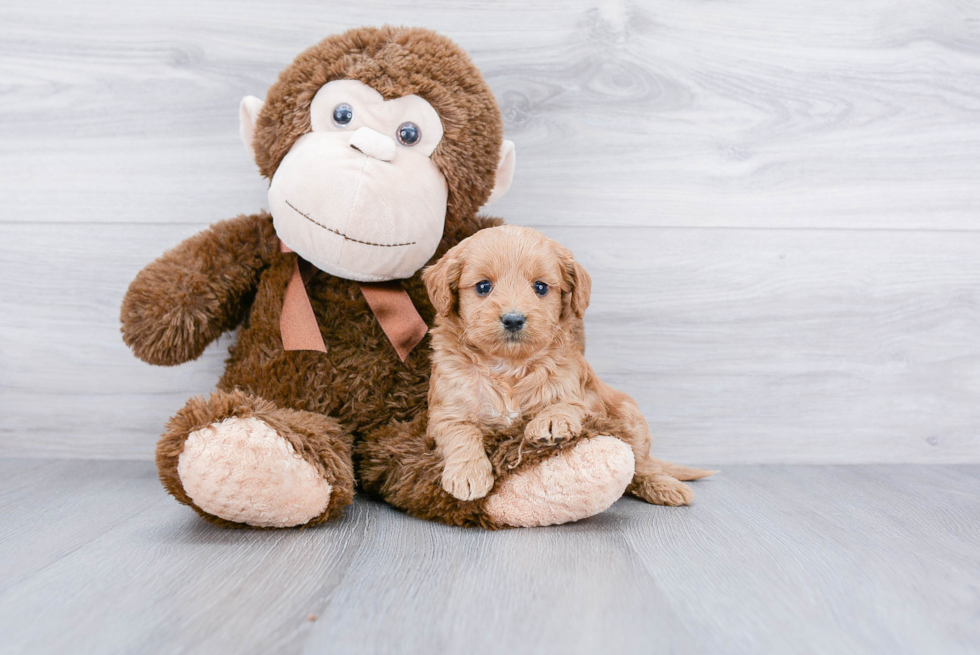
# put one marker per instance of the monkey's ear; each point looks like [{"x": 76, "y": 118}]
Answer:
[
  {"x": 442, "y": 281},
  {"x": 505, "y": 171},
  {"x": 576, "y": 299},
  {"x": 248, "y": 113}
]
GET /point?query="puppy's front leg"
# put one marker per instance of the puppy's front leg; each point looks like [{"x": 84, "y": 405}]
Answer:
[
  {"x": 467, "y": 473},
  {"x": 556, "y": 422}
]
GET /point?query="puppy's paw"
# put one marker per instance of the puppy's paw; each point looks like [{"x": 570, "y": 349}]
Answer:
[
  {"x": 549, "y": 427},
  {"x": 662, "y": 490},
  {"x": 468, "y": 479}
]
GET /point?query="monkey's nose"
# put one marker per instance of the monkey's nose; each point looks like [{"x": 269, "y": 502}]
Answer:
[
  {"x": 513, "y": 321},
  {"x": 373, "y": 144}
]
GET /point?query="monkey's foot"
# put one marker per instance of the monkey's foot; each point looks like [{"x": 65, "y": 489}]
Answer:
[
  {"x": 580, "y": 482},
  {"x": 239, "y": 460},
  {"x": 242, "y": 471}
]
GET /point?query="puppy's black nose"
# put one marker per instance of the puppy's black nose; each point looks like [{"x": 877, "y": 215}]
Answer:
[{"x": 513, "y": 321}]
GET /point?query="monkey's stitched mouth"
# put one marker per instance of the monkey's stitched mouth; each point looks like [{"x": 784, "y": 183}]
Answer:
[{"x": 347, "y": 238}]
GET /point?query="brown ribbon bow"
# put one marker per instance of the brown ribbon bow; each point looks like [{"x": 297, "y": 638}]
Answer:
[{"x": 389, "y": 302}]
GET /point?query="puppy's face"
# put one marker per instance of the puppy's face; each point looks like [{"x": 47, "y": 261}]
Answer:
[{"x": 509, "y": 289}]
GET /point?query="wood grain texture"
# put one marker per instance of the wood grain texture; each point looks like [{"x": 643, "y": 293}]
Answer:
[
  {"x": 778, "y": 559},
  {"x": 763, "y": 113},
  {"x": 50, "y": 508},
  {"x": 778, "y": 202},
  {"x": 740, "y": 345}
]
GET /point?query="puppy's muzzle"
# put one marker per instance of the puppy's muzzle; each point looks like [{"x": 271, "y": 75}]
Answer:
[{"x": 513, "y": 321}]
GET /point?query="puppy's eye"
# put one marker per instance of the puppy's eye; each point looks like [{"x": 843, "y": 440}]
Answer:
[
  {"x": 540, "y": 288},
  {"x": 343, "y": 114},
  {"x": 409, "y": 134},
  {"x": 483, "y": 287}
]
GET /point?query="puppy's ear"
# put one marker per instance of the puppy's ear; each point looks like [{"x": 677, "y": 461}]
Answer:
[
  {"x": 442, "y": 281},
  {"x": 576, "y": 299}
]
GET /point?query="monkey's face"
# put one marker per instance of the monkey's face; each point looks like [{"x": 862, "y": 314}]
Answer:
[{"x": 359, "y": 196}]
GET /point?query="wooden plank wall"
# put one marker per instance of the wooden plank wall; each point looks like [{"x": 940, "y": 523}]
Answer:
[{"x": 777, "y": 200}]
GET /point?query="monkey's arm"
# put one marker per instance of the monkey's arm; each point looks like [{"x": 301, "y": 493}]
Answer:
[{"x": 194, "y": 292}]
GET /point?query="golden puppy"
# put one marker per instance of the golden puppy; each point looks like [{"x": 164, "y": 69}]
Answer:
[{"x": 508, "y": 347}]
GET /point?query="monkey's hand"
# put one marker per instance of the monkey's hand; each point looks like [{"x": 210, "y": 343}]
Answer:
[
  {"x": 193, "y": 293},
  {"x": 554, "y": 423},
  {"x": 468, "y": 479}
]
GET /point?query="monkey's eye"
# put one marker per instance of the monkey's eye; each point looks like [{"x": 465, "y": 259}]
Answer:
[
  {"x": 483, "y": 287},
  {"x": 343, "y": 114},
  {"x": 409, "y": 134},
  {"x": 541, "y": 288}
]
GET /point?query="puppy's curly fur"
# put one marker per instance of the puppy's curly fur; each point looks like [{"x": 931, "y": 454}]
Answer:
[{"x": 490, "y": 378}]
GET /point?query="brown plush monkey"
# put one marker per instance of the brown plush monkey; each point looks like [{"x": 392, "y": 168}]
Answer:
[{"x": 380, "y": 146}]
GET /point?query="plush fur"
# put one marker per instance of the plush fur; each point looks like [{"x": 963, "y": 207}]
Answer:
[
  {"x": 318, "y": 439},
  {"x": 396, "y": 62},
  {"x": 402, "y": 465},
  {"x": 200, "y": 289},
  {"x": 243, "y": 470},
  {"x": 233, "y": 275},
  {"x": 487, "y": 375},
  {"x": 602, "y": 466}
]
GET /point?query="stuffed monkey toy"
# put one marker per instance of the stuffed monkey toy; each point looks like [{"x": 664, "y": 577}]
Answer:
[{"x": 380, "y": 145}]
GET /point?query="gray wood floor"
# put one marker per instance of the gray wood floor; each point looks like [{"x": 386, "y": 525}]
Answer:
[{"x": 94, "y": 557}]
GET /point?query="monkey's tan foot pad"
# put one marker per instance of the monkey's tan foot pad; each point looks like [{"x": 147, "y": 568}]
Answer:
[
  {"x": 578, "y": 483},
  {"x": 242, "y": 471}
]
